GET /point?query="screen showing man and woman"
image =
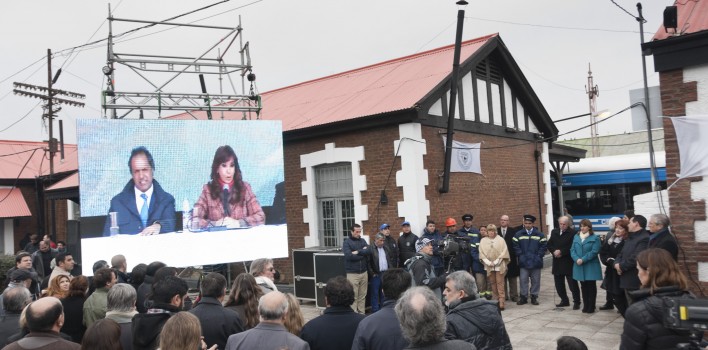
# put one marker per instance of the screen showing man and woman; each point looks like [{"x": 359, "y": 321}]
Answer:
[{"x": 203, "y": 179}]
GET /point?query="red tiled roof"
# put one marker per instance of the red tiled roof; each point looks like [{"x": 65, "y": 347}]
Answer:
[
  {"x": 12, "y": 203},
  {"x": 691, "y": 19},
  {"x": 14, "y": 155},
  {"x": 380, "y": 88},
  {"x": 70, "y": 181}
]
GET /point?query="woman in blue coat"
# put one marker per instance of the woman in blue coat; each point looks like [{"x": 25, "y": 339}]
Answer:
[{"x": 586, "y": 270}]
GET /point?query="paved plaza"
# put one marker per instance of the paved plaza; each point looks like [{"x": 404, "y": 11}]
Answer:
[{"x": 537, "y": 327}]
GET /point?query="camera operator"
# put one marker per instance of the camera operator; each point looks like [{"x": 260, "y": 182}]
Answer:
[
  {"x": 660, "y": 277},
  {"x": 421, "y": 267},
  {"x": 452, "y": 253}
]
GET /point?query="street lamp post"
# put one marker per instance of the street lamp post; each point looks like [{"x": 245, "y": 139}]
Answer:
[
  {"x": 641, "y": 21},
  {"x": 453, "y": 96}
]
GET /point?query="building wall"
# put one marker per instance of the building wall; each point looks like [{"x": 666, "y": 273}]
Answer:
[
  {"x": 29, "y": 224},
  {"x": 508, "y": 184},
  {"x": 685, "y": 92}
]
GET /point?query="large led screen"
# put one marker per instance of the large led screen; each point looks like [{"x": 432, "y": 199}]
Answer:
[{"x": 184, "y": 192}]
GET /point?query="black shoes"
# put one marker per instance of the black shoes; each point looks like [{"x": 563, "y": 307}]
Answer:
[
  {"x": 607, "y": 307},
  {"x": 534, "y": 300},
  {"x": 576, "y": 306},
  {"x": 589, "y": 311},
  {"x": 522, "y": 301},
  {"x": 563, "y": 303}
]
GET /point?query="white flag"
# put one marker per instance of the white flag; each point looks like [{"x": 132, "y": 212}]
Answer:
[
  {"x": 465, "y": 157},
  {"x": 692, "y": 139}
]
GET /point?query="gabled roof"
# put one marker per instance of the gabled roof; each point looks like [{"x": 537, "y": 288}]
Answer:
[
  {"x": 381, "y": 89},
  {"x": 12, "y": 204},
  {"x": 691, "y": 19},
  {"x": 389, "y": 86},
  {"x": 687, "y": 48},
  {"x": 15, "y": 154}
]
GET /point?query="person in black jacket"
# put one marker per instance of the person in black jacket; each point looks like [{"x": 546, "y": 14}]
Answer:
[
  {"x": 608, "y": 253},
  {"x": 406, "y": 243},
  {"x": 660, "y": 236},
  {"x": 356, "y": 253},
  {"x": 660, "y": 277},
  {"x": 218, "y": 322},
  {"x": 168, "y": 297},
  {"x": 626, "y": 260},
  {"x": 336, "y": 327},
  {"x": 145, "y": 289},
  {"x": 559, "y": 246},
  {"x": 472, "y": 319},
  {"x": 422, "y": 269},
  {"x": 390, "y": 242},
  {"x": 380, "y": 260}
]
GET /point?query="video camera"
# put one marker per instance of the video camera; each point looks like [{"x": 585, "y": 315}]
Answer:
[
  {"x": 687, "y": 315},
  {"x": 453, "y": 245}
]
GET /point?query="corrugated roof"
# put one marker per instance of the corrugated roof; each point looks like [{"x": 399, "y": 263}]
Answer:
[
  {"x": 70, "y": 181},
  {"x": 691, "y": 19},
  {"x": 620, "y": 144},
  {"x": 12, "y": 203},
  {"x": 14, "y": 155},
  {"x": 372, "y": 90}
]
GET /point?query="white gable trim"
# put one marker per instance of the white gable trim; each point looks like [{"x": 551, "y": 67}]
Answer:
[
  {"x": 412, "y": 177},
  {"x": 331, "y": 154}
]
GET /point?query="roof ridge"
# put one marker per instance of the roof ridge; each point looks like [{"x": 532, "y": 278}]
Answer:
[{"x": 384, "y": 63}]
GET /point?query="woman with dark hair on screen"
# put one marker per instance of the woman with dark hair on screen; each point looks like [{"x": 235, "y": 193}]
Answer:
[
  {"x": 227, "y": 200},
  {"x": 660, "y": 277}
]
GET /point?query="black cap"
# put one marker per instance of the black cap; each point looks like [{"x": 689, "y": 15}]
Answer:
[
  {"x": 467, "y": 217},
  {"x": 529, "y": 217},
  {"x": 20, "y": 275}
]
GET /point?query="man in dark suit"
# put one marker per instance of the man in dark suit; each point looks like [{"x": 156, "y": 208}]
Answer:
[
  {"x": 559, "y": 246},
  {"x": 660, "y": 236},
  {"x": 512, "y": 275},
  {"x": 143, "y": 207},
  {"x": 626, "y": 261},
  {"x": 218, "y": 322}
]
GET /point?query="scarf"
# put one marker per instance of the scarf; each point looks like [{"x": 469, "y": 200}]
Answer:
[
  {"x": 267, "y": 281},
  {"x": 583, "y": 236}
]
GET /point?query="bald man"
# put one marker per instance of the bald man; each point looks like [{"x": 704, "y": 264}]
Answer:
[
  {"x": 270, "y": 333},
  {"x": 45, "y": 317}
]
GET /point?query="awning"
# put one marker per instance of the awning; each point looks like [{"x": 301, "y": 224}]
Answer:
[
  {"x": 67, "y": 188},
  {"x": 12, "y": 203}
]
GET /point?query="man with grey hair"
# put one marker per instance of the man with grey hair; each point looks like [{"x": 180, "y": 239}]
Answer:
[
  {"x": 472, "y": 319},
  {"x": 264, "y": 272},
  {"x": 380, "y": 260},
  {"x": 121, "y": 308},
  {"x": 270, "y": 333},
  {"x": 120, "y": 265},
  {"x": 422, "y": 321},
  {"x": 660, "y": 237},
  {"x": 45, "y": 317},
  {"x": 559, "y": 245},
  {"x": 13, "y": 301}
]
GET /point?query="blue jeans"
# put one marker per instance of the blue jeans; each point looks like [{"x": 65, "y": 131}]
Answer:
[
  {"x": 376, "y": 293},
  {"x": 535, "y": 276}
]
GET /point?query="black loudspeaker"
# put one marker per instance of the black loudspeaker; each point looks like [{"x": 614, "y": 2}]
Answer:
[
  {"x": 327, "y": 265},
  {"x": 670, "y": 18},
  {"x": 73, "y": 239}
]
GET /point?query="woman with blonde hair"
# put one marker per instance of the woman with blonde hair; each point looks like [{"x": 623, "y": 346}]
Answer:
[
  {"x": 58, "y": 287},
  {"x": 293, "y": 319},
  {"x": 494, "y": 254},
  {"x": 182, "y": 331},
  {"x": 661, "y": 278}
]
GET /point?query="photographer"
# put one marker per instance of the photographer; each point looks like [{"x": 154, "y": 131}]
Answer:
[
  {"x": 421, "y": 267},
  {"x": 660, "y": 277},
  {"x": 436, "y": 238}
]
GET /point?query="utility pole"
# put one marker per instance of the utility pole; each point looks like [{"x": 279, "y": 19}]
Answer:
[
  {"x": 652, "y": 163},
  {"x": 593, "y": 92},
  {"x": 50, "y": 96}
]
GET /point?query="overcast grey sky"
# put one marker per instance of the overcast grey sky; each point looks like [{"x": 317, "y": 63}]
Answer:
[{"x": 294, "y": 41}]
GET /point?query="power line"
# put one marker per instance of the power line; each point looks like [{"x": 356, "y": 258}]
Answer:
[
  {"x": 25, "y": 116},
  {"x": 14, "y": 185},
  {"x": 556, "y": 27},
  {"x": 608, "y": 145},
  {"x": 20, "y": 152},
  {"x": 625, "y": 11}
]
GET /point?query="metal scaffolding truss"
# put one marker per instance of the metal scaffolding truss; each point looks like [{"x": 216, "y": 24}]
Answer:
[{"x": 210, "y": 62}]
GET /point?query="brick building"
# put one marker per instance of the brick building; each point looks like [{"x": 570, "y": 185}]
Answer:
[
  {"x": 365, "y": 146},
  {"x": 27, "y": 204},
  {"x": 681, "y": 58}
]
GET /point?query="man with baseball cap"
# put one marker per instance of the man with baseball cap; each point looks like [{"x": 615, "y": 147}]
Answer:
[
  {"x": 390, "y": 242},
  {"x": 406, "y": 243},
  {"x": 530, "y": 246},
  {"x": 421, "y": 267},
  {"x": 472, "y": 235}
]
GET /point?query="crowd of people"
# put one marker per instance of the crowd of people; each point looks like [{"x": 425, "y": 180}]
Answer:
[{"x": 424, "y": 293}]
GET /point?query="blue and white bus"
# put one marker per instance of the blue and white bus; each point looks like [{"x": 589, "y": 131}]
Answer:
[{"x": 602, "y": 187}]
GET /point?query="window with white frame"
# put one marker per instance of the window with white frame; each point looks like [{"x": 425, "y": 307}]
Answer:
[{"x": 335, "y": 202}]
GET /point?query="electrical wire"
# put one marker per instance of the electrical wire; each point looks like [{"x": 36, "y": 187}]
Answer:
[
  {"x": 557, "y": 27},
  {"x": 14, "y": 185},
  {"x": 23, "y": 117},
  {"x": 23, "y": 69},
  {"x": 607, "y": 145},
  {"x": 627, "y": 12},
  {"x": 20, "y": 152}
]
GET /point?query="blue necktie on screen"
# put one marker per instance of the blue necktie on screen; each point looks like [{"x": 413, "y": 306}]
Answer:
[{"x": 144, "y": 210}]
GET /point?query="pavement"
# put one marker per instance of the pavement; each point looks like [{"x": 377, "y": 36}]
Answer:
[{"x": 532, "y": 327}]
